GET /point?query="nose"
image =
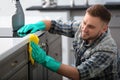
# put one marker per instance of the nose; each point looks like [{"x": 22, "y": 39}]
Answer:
[{"x": 84, "y": 28}]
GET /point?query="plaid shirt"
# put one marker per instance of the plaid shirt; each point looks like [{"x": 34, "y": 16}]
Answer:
[{"x": 95, "y": 61}]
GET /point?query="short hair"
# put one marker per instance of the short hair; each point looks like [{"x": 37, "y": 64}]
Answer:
[{"x": 100, "y": 11}]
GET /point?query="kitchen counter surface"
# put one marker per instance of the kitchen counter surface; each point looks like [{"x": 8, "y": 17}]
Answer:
[{"x": 10, "y": 45}]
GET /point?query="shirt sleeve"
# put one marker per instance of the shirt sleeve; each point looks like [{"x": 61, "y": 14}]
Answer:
[
  {"x": 68, "y": 28},
  {"x": 95, "y": 65}
]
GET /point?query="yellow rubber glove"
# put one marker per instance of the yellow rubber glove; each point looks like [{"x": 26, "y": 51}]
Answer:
[{"x": 35, "y": 39}]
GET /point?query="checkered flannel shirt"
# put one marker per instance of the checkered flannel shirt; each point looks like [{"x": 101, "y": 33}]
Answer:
[{"x": 99, "y": 60}]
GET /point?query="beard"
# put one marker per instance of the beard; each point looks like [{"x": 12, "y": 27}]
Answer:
[{"x": 88, "y": 37}]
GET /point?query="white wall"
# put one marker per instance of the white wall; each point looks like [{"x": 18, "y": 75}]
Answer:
[
  {"x": 7, "y": 6},
  {"x": 102, "y": 1},
  {"x": 7, "y": 9}
]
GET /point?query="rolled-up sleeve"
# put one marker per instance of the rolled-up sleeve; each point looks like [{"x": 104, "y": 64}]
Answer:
[
  {"x": 67, "y": 28},
  {"x": 95, "y": 65}
]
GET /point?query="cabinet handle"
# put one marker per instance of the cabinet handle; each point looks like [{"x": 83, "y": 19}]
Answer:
[
  {"x": 43, "y": 45},
  {"x": 14, "y": 63}
]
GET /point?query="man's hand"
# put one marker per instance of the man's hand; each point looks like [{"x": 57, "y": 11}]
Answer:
[
  {"x": 31, "y": 28},
  {"x": 39, "y": 55}
]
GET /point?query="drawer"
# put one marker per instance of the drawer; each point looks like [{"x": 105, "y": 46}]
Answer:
[{"x": 12, "y": 63}]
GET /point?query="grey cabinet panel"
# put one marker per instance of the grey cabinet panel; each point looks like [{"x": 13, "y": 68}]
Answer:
[
  {"x": 13, "y": 63},
  {"x": 55, "y": 51},
  {"x": 22, "y": 74},
  {"x": 52, "y": 37},
  {"x": 54, "y": 76},
  {"x": 38, "y": 72}
]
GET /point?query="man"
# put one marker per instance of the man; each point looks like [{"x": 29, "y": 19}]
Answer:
[{"x": 95, "y": 49}]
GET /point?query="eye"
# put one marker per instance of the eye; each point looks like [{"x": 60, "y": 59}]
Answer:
[
  {"x": 83, "y": 23},
  {"x": 91, "y": 26},
  {"x": 88, "y": 25}
]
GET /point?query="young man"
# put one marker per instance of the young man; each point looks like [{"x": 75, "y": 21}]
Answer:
[{"x": 95, "y": 49}]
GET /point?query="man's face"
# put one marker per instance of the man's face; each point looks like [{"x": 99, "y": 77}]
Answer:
[{"x": 92, "y": 27}]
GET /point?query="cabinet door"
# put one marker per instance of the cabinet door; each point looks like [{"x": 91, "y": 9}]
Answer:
[
  {"x": 37, "y": 71},
  {"x": 55, "y": 51},
  {"x": 13, "y": 63}
]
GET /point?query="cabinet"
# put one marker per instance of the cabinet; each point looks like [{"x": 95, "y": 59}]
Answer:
[{"x": 15, "y": 67}]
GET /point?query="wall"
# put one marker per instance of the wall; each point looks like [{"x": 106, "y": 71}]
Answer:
[
  {"x": 7, "y": 9},
  {"x": 7, "y": 6}
]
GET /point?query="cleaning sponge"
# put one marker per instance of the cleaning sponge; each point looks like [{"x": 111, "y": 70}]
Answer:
[{"x": 35, "y": 39}]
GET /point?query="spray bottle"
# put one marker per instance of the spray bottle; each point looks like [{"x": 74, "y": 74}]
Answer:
[{"x": 18, "y": 19}]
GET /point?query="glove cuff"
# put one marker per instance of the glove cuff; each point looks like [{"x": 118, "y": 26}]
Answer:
[
  {"x": 51, "y": 64},
  {"x": 41, "y": 25}
]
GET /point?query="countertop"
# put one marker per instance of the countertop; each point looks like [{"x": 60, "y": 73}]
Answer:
[{"x": 10, "y": 45}]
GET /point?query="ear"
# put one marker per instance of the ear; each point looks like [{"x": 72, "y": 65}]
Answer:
[{"x": 105, "y": 28}]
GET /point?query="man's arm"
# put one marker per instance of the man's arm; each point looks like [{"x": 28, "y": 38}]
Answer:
[
  {"x": 32, "y": 28},
  {"x": 55, "y": 27},
  {"x": 48, "y": 24},
  {"x": 69, "y": 71},
  {"x": 40, "y": 56},
  {"x": 64, "y": 70}
]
